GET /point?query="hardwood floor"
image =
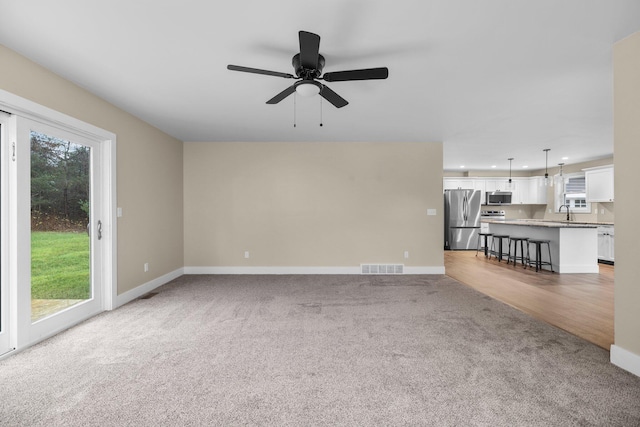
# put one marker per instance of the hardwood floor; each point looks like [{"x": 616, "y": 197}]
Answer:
[{"x": 581, "y": 304}]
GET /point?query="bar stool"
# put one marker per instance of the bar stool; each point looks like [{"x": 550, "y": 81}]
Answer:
[
  {"x": 538, "y": 251},
  {"x": 513, "y": 250},
  {"x": 486, "y": 246},
  {"x": 500, "y": 253}
]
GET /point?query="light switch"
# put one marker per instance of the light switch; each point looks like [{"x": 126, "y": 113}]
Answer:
[
  {"x": 119, "y": 212},
  {"x": 431, "y": 212}
]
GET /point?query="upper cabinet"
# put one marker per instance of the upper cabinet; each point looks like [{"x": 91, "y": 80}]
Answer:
[
  {"x": 463, "y": 183},
  {"x": 497, "y": 184},
  {"x": 456, "y": 183},
  {"x": 599, "y": 183},
  {"x": 525, "y": 190}
]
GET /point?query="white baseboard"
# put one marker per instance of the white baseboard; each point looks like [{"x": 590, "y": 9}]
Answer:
[
  {"x": 571, "y": 269},
  {"x": 625, "y": 359},
  {"x": 301, "y": 270},
  {"x": 424, "y": 270},
  {"x": 137, "y": 292}
]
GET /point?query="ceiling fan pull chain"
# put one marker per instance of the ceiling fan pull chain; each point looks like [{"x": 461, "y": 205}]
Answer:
[
  {"x": 294, "y": 109},
  {"x": 320, "y": 110}
]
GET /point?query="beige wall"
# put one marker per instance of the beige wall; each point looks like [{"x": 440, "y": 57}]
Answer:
[
  {"x": 149, "y": 169},
  {"x": 627, "y": 153},
  {"x": 312, "y": 204}
]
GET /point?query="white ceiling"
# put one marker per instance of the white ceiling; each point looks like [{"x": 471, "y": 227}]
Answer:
[{"x": 492, "y": 79}]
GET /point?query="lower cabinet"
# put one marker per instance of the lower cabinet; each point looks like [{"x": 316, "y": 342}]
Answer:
[{"x": 606, "y": 244}]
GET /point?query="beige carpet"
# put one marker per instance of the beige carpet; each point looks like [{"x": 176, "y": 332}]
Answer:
[{"x": 316, "y": 350}]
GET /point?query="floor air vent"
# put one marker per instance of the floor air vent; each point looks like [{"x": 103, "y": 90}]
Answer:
[{"x": 381, "y": 268}]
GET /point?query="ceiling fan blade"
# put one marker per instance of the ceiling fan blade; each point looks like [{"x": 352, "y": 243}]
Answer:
[
  {"x": 282, "y": 95},
  {"x": 333, "y": 97},
  {"x": 259, "y": 71},
  {"x": 365, "y": 74},
  {"x": 309, "y": 49}
]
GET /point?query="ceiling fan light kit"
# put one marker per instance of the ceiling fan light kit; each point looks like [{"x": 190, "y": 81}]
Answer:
[
  {"x": 308, "y": 66},
  {"x": 307, "y": 88}
]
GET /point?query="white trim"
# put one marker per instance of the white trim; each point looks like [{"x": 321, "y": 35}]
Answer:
[
  {"x": 5, "y": 296},
  {"x": 595, "y": 168},
  {"x": 301, "y": 270},
  {"x": 34, "y": 111},
  {"x": 578, "y": 268},
  {"x": 625, "y": 359},
  {"x": 110, "y": 245},
  {"x": 424, "y": 270},
  {"x": 137, "y": 292}
]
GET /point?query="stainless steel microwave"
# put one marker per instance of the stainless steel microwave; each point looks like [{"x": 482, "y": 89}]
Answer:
[{"x": 498, "y": 198}]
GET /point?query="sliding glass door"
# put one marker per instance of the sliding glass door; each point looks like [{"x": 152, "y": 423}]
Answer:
[{"x": 59, "y": 228}]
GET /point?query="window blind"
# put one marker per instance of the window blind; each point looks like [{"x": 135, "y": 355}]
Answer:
[{"x": 576, "y": 185}]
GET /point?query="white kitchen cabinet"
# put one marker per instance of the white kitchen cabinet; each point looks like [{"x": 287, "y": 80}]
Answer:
[
  {"x": 497, "y": 184},
  {"x": 606, "y": 239},
  {"x": 599, "y": 182},
  {"x": 455, "y": 183},
  {"x": 525, "y": 190},
  {"x": 465, "y": 183},
  {"x": 480, "y": 184},
  {"x": 519, "y": 191}
]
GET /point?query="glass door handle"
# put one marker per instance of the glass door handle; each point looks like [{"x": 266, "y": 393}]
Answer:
[{"x": 99, "y": 230}]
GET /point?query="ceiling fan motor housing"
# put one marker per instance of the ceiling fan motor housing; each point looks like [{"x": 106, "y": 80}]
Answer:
[{"x": 307, "y": 73}]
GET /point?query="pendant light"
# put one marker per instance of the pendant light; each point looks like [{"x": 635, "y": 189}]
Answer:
[
  {"x": 509, "y": 182},
  {"x": 546, "y": 164},
  {"x": 561, "y": 177}
]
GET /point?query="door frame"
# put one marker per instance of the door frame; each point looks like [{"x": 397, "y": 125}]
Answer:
[
  {"x": 22, "y": 107},
  {"x": 6, "y": 345}
]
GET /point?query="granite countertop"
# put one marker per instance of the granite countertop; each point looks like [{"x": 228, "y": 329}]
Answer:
[{"x": 544, "y": 223}]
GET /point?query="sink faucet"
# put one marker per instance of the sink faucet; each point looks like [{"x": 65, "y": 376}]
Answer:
[{"x": 568, "y": 212}]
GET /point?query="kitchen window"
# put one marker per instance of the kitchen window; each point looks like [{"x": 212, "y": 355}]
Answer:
[{"x": 572, "y": 192}]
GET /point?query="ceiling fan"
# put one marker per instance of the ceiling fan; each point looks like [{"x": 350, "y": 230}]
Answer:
[{"x": 308, "y": 65}]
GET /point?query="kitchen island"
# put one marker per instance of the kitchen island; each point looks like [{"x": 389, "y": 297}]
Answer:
[{"x": 574, "y": 246}]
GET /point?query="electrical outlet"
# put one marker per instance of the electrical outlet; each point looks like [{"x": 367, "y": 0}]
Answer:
[
  {"x": 146, "y": 267},
  {"x": 119, "y": 212},
  {"x": 246, "y": 254},
  {"x": 549, "y": 210}
]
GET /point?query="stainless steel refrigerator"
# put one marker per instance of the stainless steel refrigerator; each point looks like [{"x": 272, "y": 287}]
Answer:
[{"x": 461, "y": 218}]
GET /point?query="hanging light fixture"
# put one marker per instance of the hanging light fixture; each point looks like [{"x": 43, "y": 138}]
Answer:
[
  {"x": 561, "y": 178},
  {"x": 546, "y": 166},
  {"x": 509, "y": 182}
]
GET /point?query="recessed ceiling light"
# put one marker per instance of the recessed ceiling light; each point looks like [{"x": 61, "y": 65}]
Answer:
[
  {"x": 493, "y": 166},
  {"x": 565, "y": 158},
  {"x": 462, "y": 166},
  {"x": 524, "y": 167}
]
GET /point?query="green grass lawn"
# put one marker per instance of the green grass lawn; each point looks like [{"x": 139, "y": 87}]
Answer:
[{"x": 60, "y": 265}]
